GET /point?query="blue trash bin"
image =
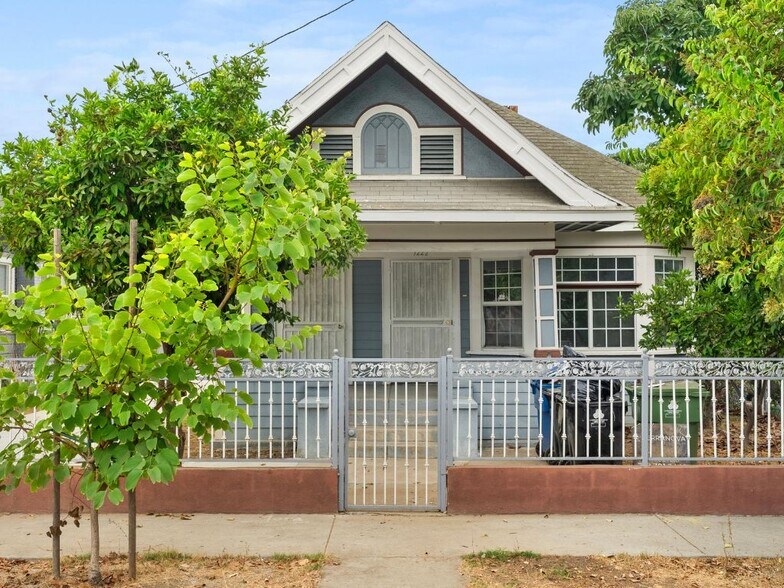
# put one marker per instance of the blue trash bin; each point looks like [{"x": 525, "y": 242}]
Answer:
[{"x": 544, "y": 418}]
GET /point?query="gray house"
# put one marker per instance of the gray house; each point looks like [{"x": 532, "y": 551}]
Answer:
[{"x": 487, "y": 233}]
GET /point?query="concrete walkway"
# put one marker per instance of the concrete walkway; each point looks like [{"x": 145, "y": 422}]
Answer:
[{"x": 408, "y": 549}]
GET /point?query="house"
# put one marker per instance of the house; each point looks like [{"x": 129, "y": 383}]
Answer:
[{"x": 488, "y": 233}]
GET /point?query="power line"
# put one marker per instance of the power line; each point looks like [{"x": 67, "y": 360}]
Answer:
[{"x": 278, "y": 38}]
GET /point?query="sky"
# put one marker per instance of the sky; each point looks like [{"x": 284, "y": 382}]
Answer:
[{"x": 531, "y": 53}]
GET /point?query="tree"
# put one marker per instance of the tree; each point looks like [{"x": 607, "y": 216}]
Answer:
[
  {"x": 113, "y": 156},
  {"x": 111, "y": 382},
  {"x": 702, "y": 317},
  {"x": 644, "y": 50},
  {"x": 718, "y": 183}
]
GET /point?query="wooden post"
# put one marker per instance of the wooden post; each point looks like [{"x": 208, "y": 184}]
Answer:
[
  {"x": 132, "y": 255},
  {"x": 55, "y": 529}
]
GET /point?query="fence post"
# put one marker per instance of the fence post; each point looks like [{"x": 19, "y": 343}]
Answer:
[
  {"x": 339, "y": 403},
  {"x": 645, "y": 414},
  {"x": 445, "y": 432}
]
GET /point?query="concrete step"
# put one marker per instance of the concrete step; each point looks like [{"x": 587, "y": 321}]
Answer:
[{"x": 396, "y": 435}]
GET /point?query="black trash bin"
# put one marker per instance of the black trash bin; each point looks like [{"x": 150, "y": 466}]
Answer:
[{"x": 588, "y": 420}]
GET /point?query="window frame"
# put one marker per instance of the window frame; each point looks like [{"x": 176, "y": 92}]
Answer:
[
  {"x": 417, "y": 133},
  {"x": 598, "y": 282},
  {"x": 496, "y": 303},
  {"x": 659, "y": 277},
  {"x": 8, "y": 287},
  {"x": 591, "y": 309},
  {"x": 597, "y": 286}
]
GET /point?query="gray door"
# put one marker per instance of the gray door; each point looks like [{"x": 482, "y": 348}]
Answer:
[{"x": 421, "y": 308}]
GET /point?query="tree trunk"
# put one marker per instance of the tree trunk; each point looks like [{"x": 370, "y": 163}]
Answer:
[
  {"x": 133, "y": 248},
  {"x": 132, "y": 534},
  {"x": 55, "y": 529},
  {"x": 94, "y": 574}
]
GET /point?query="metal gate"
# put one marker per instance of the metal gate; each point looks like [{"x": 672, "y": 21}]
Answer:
[{"x": 394, "y": 425}]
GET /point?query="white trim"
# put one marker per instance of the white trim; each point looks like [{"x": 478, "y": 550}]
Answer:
[
  {"x": 388, "y": 40},
  {"x": 495, "y": 216},
  {"x": 386, "y": 109}
]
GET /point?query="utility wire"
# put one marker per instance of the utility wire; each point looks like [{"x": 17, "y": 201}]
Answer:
[{"x": 278, "y": 38}]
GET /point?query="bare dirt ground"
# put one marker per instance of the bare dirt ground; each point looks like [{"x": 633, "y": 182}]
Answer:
[
  {"x": 170, "y": 570},
  {"x": 525, "y": 569}
]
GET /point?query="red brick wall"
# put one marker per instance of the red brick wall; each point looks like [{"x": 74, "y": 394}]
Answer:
[
  {"x": 688, "y": 489},
  {"x": 207, "y": 490}
]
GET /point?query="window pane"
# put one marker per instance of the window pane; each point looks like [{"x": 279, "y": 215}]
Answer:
[
  {"x": 5, "y": 275},
  {"x": 546, "y": 303},
  {"x": 589, "y": 263},
  {"x": 545, "y": 271},
  {"x": 607, "y": 263},
  {"x": 548, "y": 333}
]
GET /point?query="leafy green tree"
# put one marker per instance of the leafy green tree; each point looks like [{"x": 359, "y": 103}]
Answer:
[
  {"x": 705, "y": 318},
  {"x": 719, "y": 179},
  {"x": 111, "y": 382},
  {"x": 113, "y": 156},
  {"x": 643, "y": 51}
]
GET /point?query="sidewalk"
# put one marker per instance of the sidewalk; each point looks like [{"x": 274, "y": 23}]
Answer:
[{"x": 408, "y": 549}]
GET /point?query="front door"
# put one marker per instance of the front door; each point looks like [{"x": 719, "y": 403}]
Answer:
[{"x": 421, "y": 308}]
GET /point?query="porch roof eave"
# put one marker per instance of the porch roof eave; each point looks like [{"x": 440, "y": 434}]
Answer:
[{"x": 498, "y": 216}]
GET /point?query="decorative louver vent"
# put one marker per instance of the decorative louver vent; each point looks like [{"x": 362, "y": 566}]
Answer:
[
  {"x": 335, "y": 146},
  {"x": 437, "y": 154}
]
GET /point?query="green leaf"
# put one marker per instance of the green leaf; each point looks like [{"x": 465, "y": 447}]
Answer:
[
  {"x": 116, "y": 496},
  {"x": 294, "y": 248},
  {"x": 226, "y": 172},
  {"x": 177, "y": 413},
  {"x": 132, "y": 479},
  {"x": 149, "y": 327},
  {"x": 186, "y": 175},
  {"x": 194, "y": 202}
]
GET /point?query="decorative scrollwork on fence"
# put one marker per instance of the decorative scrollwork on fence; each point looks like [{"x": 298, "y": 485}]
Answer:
[
  {"x": 282, "y": 370},
  {"x": 404, "y": 370},
  {"x": 22, "y": 368},
  {"x": 550, "y": 368},
  {"x": 521, "y": 369},
  {"x": 719, "y": 368}
]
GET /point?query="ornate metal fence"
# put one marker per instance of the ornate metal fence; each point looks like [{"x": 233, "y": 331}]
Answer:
[
  {"x": 406, "y": 420},
  {"x": 559, "y": 410},
  {"x": 293, "y": 416}
]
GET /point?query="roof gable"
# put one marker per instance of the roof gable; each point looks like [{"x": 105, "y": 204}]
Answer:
[{"x": 388, "y": 42}]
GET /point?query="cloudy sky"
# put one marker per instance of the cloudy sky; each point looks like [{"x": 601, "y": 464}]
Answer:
[{"x": 533, "y": 53}]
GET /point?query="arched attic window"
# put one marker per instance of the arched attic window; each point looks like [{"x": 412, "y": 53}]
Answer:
[{"x": 386, "y": 145}]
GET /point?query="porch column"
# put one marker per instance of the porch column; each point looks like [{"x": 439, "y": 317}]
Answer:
[{"x": 545, "y": 303}]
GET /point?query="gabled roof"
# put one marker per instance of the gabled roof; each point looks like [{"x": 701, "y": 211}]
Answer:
[{"x": 569, "y": 186}]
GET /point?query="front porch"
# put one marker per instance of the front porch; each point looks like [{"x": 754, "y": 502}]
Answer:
[{"x": 492, "y": 289}]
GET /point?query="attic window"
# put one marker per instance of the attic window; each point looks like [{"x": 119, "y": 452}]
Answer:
[{"x": 386, "y": 145}]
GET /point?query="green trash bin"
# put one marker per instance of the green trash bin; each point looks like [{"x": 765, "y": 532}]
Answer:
[{"x": 675, "y": 430}]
